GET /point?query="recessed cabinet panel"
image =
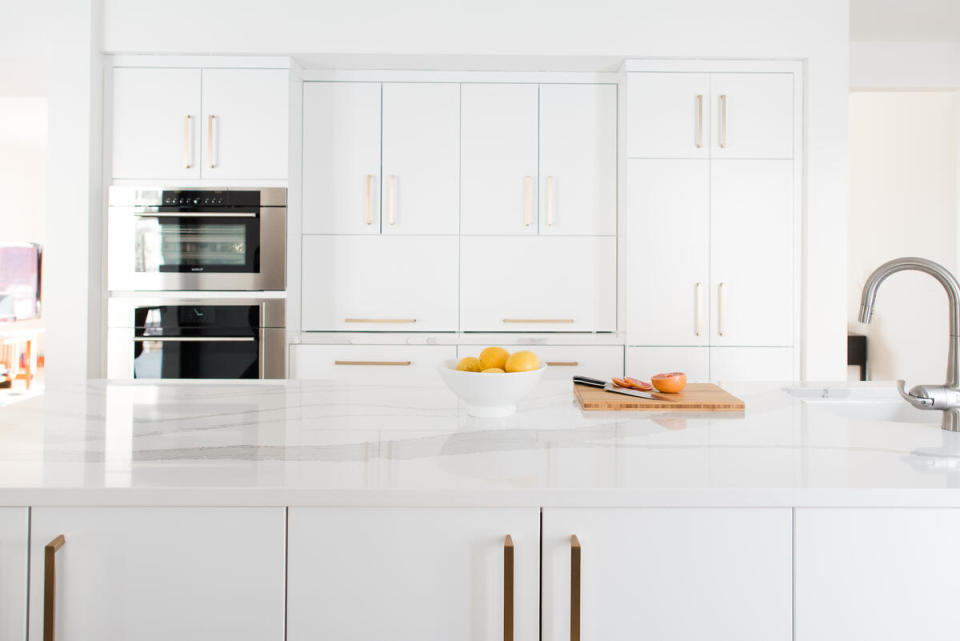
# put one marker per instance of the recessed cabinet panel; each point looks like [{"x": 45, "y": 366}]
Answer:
[
  {"x": 155, "y": 574},
  {"x": 668, "y": 262},
  {"x": 752, "y": 115},
  {"x": 378, "y": 283},
  {"x": 156, "y": 123},
  {"x": 411, "y": 574},
  {"x": 341, "y": 158},
  {"x": 669, "y": 115},
  {"x": 538, "y": 284},
  {"x": 14, "y": 529},
  {"x": 578, "y": 159},
  {"x": 499, "y": 158},
  {"x": 421, "y": 158}
]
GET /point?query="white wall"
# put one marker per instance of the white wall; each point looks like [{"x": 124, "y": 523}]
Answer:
[
  {"x": 904, "y": 184},
  {"x": 815, "y": 31},
  {"x": 905, "y": 65}
]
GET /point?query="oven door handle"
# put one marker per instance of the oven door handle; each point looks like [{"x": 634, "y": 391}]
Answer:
[
  {"x": 194, "y": 339},
  {"x": 155, "y": 214}
]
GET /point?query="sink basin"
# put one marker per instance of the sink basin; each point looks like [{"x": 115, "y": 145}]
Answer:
[{"x": 864, "y": 404}]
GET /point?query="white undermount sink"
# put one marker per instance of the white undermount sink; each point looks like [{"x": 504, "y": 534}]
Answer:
[{"x": 868, "y": 403}]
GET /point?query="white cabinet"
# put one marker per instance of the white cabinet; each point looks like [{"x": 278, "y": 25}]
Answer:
[
  {"x": 161, "y": 573},
  {"x": 564, "y": 361},
  {"x": 562, "y": 283},
  {"x": 421, "y": 158},
  {"x": 341, "y": 158},
  {"x": 412, "y": 574},
  {"x": 753, "y": 115},
  {"x": 370, "y": 283},
  {"x": 669, "y": 115},
  {"x": 373, "y": 364},
  {"x": 752, "y": 252},
  {"x": 499, "y": 156},
  {"x": 156, "y": 123},
  {"x": 669, "y": 574},
  {"x": 14, "y": 534},
  {"x": 731, "y": 364},
  {"x": 644, "y": 362},
  {"x": 878, "y": 574},
  {"x": 578, "y": 159},
  {"x": 246, "y": 123},
  {"x": 668, "y": 262}
]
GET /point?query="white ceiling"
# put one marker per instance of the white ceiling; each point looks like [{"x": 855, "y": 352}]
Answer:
[{"x": 905, "y": 20}]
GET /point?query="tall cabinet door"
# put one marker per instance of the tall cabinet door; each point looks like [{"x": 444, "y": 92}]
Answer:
[
  {"x": 669, "y": 115},
  {"x": 668, "y": 264},
  {"x": 156, "y": 123},
  {"x": 408, "y": 574},
  {"x": 421, "y": 158},
  {"x": 246, "y": 123},
  {"x": 341, "y": 158},
  {"x": 14, "y": 528},
  {"x": 752, "y": 115},
  {"x": 752, "y": 252},
  {"x": 498, "y": 136},
  {"x": 667, "y": 574},
  {"x": 578, "y": 159}
]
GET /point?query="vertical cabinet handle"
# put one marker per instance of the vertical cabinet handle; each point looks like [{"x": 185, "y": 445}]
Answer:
[
  {"x": 527, "y": 200},
  {"x": 50, "y": 587},
  {"x": 187, "y": 141},
  {"x": 723, "y": 120},
  {"x": 574, "y": 588},
  {"x": 699, "y": 309},
  {"x": 549, "y": 200},
  {"x": 699, "y": 121},
  {"x": 368, "y": 217},
  {"x": 211, "y": 148},
  {"x": 392, "y": 201},
  {"x": 508, "y": 588},
  {"x": 722, "y": 308}
]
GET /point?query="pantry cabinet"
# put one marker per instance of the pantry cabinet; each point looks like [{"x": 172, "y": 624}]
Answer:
[
  {"x": 413, "y": 574},
  {"x": 753, "y": 115},
  {"x": 159, "y": 573},
  {"x": 669, "y": 115},
  {"x": 670, "y": 574},
  {"x": 14, "y": 535}
]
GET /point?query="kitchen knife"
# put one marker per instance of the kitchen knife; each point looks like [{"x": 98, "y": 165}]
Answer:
[{"x": 610, "y": 387}]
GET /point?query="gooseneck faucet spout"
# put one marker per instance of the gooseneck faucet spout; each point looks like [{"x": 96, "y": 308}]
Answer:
[{"x": 944, "y": 397}]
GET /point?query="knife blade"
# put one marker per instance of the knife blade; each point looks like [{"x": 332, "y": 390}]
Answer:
[{"x": 610, "y": 387}]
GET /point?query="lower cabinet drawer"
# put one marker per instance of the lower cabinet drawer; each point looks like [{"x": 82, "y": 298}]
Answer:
[
  {"x": 361, "y": 362},
  {"x": 563, "y": 361},
  {"x": 732, "y": 364},
  {"x": 644, "y": 362}
]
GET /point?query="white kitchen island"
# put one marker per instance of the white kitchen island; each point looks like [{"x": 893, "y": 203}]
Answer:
[{"x": 330, "y": 510}]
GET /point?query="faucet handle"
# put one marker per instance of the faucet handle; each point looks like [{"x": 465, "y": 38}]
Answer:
[{"x": 921, "y": 402}]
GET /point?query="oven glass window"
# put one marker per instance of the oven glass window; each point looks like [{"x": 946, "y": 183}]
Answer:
[{"x": 197, "y": 245}]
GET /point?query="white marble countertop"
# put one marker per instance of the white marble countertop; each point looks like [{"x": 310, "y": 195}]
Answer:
[{"x": 333, "y": 443}]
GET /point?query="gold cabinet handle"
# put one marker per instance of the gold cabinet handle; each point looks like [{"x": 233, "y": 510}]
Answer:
[
  {"x": 562, "y": 363},
  {"x": 508, "y": 588},
  {"x": 392, "y": 201},
  {"x": 378, "y": 363},
  {"x": 698, "y": 320},
  {"x": 699, "y": 121},
  {"x": 379, "y": 320},
  {"x": 50, "y": 587},
  {"x": 549, "y": 201},
  {"x": 187, "y": 141},
  {"x": 538, "y": 320},
  {"x": 574, "y": 588},
  {"x": 368, "y": 217},
  {"x": 211, "y": 123},
  {"x": 722, "y": 308},
  {"x": 527, "y": 200},
  {"x": 723, "y": 120}
]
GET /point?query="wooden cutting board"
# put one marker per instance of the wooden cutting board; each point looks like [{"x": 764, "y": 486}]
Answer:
[{"x": 696, "y": 397}]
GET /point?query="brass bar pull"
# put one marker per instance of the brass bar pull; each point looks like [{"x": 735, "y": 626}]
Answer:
[
  {"x": 368, "y": 217},
  {"x": 379, "y": 320},
  {"x": 187, "y": 142},
  {"x": 50, "y": 587},
  {"x": 508, "y": 588},
  {"x": 549, "y": 201},
  {"x": 722, "y": 308},
  {"x": 392, "y": 201},
  {"x": 527, "y": 200},
  {"x": 699, "y": 310},
  {"x": 574, "y": 588},
  {"x": 699, "y": 121},
  {"x": 723, "y": 120},
  {"x": 538, "y": 320},
  {"x": 211, "y": 122},
  {"x": 391, "y": 363},
  {"x": 562, "y": 363}
]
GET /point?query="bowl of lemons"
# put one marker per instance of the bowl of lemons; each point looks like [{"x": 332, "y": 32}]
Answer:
[{"x": 491, "y": 384}]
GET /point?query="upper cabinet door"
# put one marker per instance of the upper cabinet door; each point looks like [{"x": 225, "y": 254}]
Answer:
[
  {"x": 499, "y": 159},
  {"x": 752, "y": 252},
  {"x": 578, "y": 159},
  {"x": 341, "y": 158},
  {"x": 246, "y": 123},
  {"x": 753, "y": 115},
  {"x": 421, "y": 158},
  {"x": 669, "y": 115},
  {"x": 156, "y": 123}
]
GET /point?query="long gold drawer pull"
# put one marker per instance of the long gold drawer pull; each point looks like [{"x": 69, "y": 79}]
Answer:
[
  {"x": 537, "y": 320},
  {"x": 723, "y": 120},
  {"x": 211, "y": 121},
  {"x": 699, "y": 121},
  {"x": 368, "y": 216},
  {"x": 698, "y": 320},
  {"x": 574, "y": 588},
  {"x": 722, "y": 309},
  {"x": 379, "y": 320},
  {"x": 378, "y": 363},
  {"x": 527, "y": 200},
  {"x": 187, "y": 142},
  {"x": 562, "y": 363},
  {"x": 508, "y": 588},
  {"x": 50, "y": 587}
]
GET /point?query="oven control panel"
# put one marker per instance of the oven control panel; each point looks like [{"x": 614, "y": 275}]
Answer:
[{"x": 208, "y": 199}]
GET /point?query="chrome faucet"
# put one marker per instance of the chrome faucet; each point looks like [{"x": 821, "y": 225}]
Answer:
[{"x": 944, "y": 397}]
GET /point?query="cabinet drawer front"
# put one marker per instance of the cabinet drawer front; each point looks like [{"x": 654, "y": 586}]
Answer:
[
  {"x": 410, "y": 574},
  {"x": 374, "y": 283},
  {"x": 394, "y": 363},
  {"x": 563, "y": 361},
  {"x": 14, "y": 531},
  {"x": 552, "y": 284},
  {"x": 732, "y": 364},
  {"x": 162, "y": 573},
  {"x": 644, "y": 362}
]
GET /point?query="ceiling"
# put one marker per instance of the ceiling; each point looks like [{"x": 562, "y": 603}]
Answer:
[{"x": 905, "y": 20}]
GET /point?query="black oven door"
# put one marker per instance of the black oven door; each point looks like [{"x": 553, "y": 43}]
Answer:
[{"x": 184, "y": 242}]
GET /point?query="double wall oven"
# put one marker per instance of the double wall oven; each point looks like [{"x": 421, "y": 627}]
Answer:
[{"x": 197, "y": 280}]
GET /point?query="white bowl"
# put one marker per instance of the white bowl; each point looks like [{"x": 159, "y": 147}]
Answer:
[{"x": 489, "y": 395}]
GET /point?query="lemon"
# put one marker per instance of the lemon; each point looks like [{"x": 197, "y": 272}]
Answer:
[
  {"x": 523, "y": 361},
  {"x": 493, "y": 357},
  {"x": 493, "y": 370},
  {"x": 469, "y": 364}
]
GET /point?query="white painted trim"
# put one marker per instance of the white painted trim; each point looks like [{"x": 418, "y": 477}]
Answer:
[
  {"x": 713, "y": 66},
  {"x": 205, "y": 62},
  {"x": 544, "y": 77},
  {"x": 200, "y": 182}
]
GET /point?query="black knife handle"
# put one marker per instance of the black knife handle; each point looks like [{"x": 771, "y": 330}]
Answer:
[{"x": 586, "y": 380}]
